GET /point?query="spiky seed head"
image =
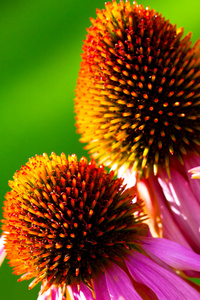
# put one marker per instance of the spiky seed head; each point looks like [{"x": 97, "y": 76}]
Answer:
[
  {"x": 64, "y": 220},
  {"x": 138, "y": 93}
]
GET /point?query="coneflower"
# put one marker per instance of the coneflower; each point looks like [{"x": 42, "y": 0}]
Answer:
[
  {"x": 73, "y": 227},
  {"x": 137, "y": 107}
]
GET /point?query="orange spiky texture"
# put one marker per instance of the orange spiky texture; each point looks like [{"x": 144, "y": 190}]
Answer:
[
  {"x": 138, "y": 93},
  {"x": 65, "y": 219}
]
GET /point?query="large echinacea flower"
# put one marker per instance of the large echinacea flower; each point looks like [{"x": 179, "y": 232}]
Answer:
[
  {"x": 137, "y": 107},
  {"x": 70, "y": 225}
]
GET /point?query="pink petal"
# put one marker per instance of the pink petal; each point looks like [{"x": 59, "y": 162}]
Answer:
[
  {"x": 119, "y": 284},
  {"x": 173, "y": 254},
  {"x": 183, "y": 204},
  {"x": 69, "y": 293},
  {"x": 165, "y": 284},
  {"x": 190, "y": 163},
  {"x": 2, "y": 250},
  {"x": 84, "y": 293},
  {"x": 100, "y": 287},
  {"x": 146, "y": 194},
  {"x": 53, "y": 293},
  {"x": 195, "y": 172},
  {"x": 169, "y": 227},
  {"x": 129, "y": 178}
]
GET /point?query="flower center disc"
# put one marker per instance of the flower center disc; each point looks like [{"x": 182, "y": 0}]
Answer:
[{"x": 64, "y": 220}]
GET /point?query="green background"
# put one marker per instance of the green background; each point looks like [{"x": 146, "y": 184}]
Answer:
[{"x": 40, "y": 47}]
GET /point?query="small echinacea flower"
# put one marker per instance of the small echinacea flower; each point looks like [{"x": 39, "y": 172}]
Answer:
[
  {"x": 137, "y": 108},
  {"x": 73, "y": 227}
]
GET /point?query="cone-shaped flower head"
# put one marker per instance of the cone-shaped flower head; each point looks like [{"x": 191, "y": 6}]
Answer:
[
  {"x": 64, "y": 220},
  {"x": 138, "y": 93},
  {"x": 75, "y": 228}
]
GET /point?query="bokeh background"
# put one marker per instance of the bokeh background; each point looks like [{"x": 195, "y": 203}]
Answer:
[{"x": 40, "y": 47}]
